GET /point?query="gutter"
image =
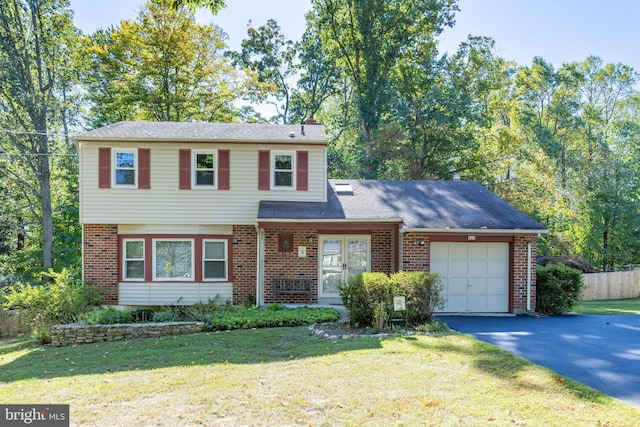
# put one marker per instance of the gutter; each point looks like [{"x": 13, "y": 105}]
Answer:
[
  {"x": 330, "y": 220},
  {"x": 472, "y": 231},
  {"x": 150, "y": 140}
]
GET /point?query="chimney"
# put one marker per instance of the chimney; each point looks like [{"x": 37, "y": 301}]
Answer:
[{"x": 311, "y": 121}]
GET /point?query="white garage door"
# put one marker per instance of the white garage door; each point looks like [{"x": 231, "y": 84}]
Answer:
[{"x": 475, "y": 276}]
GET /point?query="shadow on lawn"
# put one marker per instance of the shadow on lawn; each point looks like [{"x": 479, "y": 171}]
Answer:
[
  {"x": 230, "y": 347},
  {"x": 507, "y": 366}
]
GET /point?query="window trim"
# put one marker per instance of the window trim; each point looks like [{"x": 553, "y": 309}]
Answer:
[
  {"x": 226, "y": 260},
  {"x": 273, "y": 170},
  {"x": 155, "y": 240},
  {"x": 197, "y": 246},
  {"x": 194, "y": 170},
  {"x": 115, "y": 168},
  {"x": 125, "y": 260}
]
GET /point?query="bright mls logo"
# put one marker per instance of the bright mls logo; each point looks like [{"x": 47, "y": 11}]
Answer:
[{"x": 34, "y": 415}]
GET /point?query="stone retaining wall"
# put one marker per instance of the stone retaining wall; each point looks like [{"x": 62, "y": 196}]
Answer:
[{"x": 64, "y": 335}]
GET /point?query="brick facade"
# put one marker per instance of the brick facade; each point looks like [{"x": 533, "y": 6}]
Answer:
[
  {"x": 245, "y": 258},
  {"x": 415, "y": 252},
  {"x": 279, "y": 264},
  {"x": 416, "y": 255},
  {"x": 100, "y": 244},
  {"x": 519, "y": 279}
]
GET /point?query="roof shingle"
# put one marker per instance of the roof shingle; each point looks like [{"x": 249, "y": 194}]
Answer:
[
  {"x": 452, "y": 205},
  {"x": 201, "y": 131}
]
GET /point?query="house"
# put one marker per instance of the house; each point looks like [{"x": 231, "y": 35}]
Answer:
[{"x": 174, "y": 213}]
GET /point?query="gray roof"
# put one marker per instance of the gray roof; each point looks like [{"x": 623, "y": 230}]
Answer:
[
  {"x": 205, "y": 132},
  {"x": 446, "y": 205}
]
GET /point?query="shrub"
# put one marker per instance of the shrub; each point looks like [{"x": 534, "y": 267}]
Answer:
[
  {"x": 62, "y": 300},
  {"x": 368, "y": 297},
  {"x": 269, "y": 317},
  {"x": 356, "y": 301},
  {"x": 423, "y": 293},
  {"x": 557, "y": 288}
]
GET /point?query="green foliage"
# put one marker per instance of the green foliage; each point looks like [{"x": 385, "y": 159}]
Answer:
[
  {"x": 269, "y": 317},
  {"x": 368, "y": 297},
  {"x": 163, "y": 67},
  {"x": 558, "y": 287},
  {"x": 434, "y": 326},
  {"x": 62, "y": 300},
  {"x": 422, "y": 292}
]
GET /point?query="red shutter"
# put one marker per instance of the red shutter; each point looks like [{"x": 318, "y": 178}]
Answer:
[
  {"x": 144, "y": 168},
  {"x": 185, "y": 169},
  {"x": 264, "y": 160},
  {"x": 302, "y": 171},
  {"x": 104, "y": 167},
  {"x": 223, "y": 169}
]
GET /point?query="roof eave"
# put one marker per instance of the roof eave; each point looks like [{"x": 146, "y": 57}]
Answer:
[
  {"x": 473, "y": 231},
  {"x": 198, "y": 140},
  {"x": 328, "y": 220}
]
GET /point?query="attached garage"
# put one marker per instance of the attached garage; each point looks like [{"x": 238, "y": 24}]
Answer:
[{"x": 475, "y": 275}]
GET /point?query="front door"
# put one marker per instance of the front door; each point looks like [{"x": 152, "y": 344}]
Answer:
[{"x": 341, "y": 257}]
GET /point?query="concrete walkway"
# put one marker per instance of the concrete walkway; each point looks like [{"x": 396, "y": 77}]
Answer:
[{"x": 602, "y": 352}]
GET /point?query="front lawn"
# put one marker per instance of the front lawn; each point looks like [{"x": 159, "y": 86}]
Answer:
[
  {"x": 618, "y": 306},
  {"x": 283, "y": 376}
]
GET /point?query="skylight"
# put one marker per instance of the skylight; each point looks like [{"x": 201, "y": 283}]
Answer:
[{"x": 344, "y": 189}]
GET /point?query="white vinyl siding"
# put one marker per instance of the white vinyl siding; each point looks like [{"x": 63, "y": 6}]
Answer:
[
  {"x": 180, "y": 293},
  {"x": 165, "y": 203}
]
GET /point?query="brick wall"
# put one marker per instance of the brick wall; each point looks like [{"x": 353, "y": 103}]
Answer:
[
  {"x": 245, "y": 254},
  {"x": 415, "y": 255},
  {"x": 288, "y": 265},
  {"x": 519, "y": 298},
  {"x": 383, "y": 251},
  {"x": 100, "y": 242}
]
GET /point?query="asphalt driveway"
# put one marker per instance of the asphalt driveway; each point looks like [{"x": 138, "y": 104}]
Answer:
[{"x": 602, "y": 352}]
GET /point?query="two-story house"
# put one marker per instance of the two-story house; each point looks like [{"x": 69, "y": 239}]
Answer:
[{"x": 174, "y": 213}]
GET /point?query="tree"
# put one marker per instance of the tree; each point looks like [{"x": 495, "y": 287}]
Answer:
[
  {"x": 438, "y": 104},
  {"x": 268, "y": 60},
  {"x": 163, "y": 66},
  {"x": 214, "y": 6},
  {"x": 36, "y": 40},
  {"x": 366, "y": 39}
]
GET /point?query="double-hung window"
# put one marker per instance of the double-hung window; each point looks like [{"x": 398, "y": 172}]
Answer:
[
  {"x": 173, "y": 259},
  {"x": 283, "y": 167},
  {"x": 214, "y": 259},
  {"x": 133, "y": 262},
  {"x": 204, "y": 168},
  {"x": 124, "y": 168}
]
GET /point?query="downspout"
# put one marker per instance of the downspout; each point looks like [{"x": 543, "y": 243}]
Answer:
[
  {"x": 260, "y": 268},
  {"x": 529, "y": 276}
]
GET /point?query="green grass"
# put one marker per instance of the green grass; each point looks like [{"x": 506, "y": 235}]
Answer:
[
  {"x": 283, "y": 376},
  {"x": 619, "y": 306}
]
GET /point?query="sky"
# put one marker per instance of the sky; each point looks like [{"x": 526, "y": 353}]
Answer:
[{"x": 559, "y": 31}]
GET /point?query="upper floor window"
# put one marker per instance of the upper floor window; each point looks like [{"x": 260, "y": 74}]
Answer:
[
  {"x": 204, "y": 168},
  {"x": 283, "y": 167},
  {"x": 124, "y": 167}
]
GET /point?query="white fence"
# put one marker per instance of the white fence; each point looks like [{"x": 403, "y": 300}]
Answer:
[{"x": 613, "y": 285}]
